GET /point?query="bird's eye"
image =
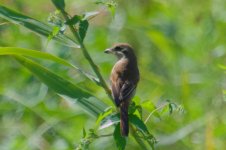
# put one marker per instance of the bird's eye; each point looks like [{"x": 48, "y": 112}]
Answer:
[{"x": 117, "y": 48}]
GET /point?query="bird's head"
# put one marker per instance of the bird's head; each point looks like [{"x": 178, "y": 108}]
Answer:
[{"x": 121, "y": 50}]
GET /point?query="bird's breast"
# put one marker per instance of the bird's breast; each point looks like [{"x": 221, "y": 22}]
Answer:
[{"x": 119, "y": 69}]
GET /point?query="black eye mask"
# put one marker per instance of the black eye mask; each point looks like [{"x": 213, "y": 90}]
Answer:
[{"x": 117, "y": 48}]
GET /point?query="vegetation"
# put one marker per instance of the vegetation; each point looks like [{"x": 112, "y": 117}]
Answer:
[{"x": 54, "y": 88}]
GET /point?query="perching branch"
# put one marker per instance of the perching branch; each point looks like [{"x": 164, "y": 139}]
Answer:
[
  {"x": 96, "y": 70},
  {"x": 87, "y": 56}
]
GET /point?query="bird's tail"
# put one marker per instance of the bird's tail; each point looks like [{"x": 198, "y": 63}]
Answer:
[{"x": 124, "y": 119}]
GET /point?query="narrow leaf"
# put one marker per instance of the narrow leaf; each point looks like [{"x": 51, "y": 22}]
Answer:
[
  {"x": 138, "y": 123},
  {"x": 119, "y": 140},
  {"x": 63, "y": 87},
  {"x": 84, "y": 133},
  {"x": 43, "y": 55},
  {"x": 34, "y": 25},
  {"x": 83, "y": 26},
  {"x": 109, "y": 121},
  {"x": 106, "y": 112},
  {"x": 59, "y": 4}
]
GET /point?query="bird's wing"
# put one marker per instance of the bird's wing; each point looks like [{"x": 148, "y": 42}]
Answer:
[
  {"x": 127, "y": 91},
  {"x": 115, "y": 87}
]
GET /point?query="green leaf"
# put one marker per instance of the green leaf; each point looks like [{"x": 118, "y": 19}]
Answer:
[
  {"x": 135, "y": 109},
  {"x": 83, "y": 26},
  {"x": 59, "y": 4},
  {"x": 109, "y": 121},
  {"x": 74, "y": 20},
  {"x": 84, "y": 133},
  {"x": 132, "y": 107},
  {"x": 140, "y": 110},
  {"x": 55, "y": 31},
  {"x": 119, "y": 140},
  {"x": 63, "y": 87},
  {"x": 107, "y": 112},
  {"x": 138, "y": 123},
  {"x": 43, "y": 55},
  {"x": 34, "y": 25}
]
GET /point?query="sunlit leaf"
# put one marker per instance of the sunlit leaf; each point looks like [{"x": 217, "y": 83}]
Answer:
[
  {"x": 119, "y": 140},
  {"x": 55, "y": 31},
  {"x": 107, "y": 112},
  {"x": 34, "y": 25},
  {"x": 63, "y": 87}
]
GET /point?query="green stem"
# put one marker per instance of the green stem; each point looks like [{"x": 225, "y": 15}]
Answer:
[
  {"x": 160, "y": 107},
  {"x": 137, "y": 138},
  {"x": 88, "y": 57},
  {"x": 97, "y": 72}
]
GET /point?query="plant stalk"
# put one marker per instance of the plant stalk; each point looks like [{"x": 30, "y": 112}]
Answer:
[
  {"x": 88, "y": 57},
  {"x": 97, "y": 72},
  {"x": 136, "y": 137}
]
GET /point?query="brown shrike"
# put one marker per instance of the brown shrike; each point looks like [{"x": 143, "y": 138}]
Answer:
[{"x": 124, "y": 78}]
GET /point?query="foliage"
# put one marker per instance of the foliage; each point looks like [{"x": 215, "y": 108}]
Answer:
[{"x": 181, "y": 58}]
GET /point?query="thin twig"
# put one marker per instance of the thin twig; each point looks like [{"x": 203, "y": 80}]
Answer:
[
  {"x": 105, "y": 135},
  {"x": 160, "y": 107}
]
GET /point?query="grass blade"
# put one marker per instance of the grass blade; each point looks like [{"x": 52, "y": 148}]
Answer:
[
  {"x": 63, "y": 87},
  {"x": 34, "y": 25},
  {"x": 43, "y": 55}
]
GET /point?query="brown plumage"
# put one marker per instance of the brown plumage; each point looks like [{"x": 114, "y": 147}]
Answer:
[{"x": 124, "y": 78}]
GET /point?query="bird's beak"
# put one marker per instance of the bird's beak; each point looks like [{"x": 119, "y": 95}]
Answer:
[{"x": 108, "y": 51}]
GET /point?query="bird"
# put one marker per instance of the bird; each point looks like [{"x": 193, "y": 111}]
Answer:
[{"x": 124, "y": 79}]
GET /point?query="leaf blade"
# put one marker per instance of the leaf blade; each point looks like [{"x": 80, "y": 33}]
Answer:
[
  {"x": 43, "y": 55},
  {"x": 64, "y": 87},
  {"x": 119, "y": 140},
  {"x": 34, "y": 25},
  {"x": 60, "y": 4}
]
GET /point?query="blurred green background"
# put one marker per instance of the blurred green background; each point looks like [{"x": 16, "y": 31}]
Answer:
[{"x": 181, "y": 50}]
